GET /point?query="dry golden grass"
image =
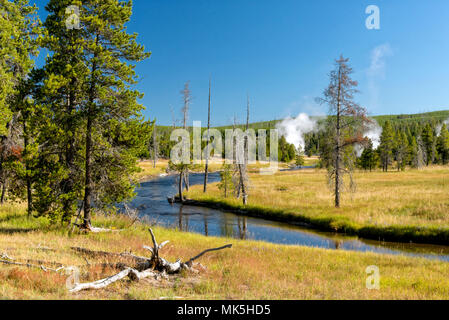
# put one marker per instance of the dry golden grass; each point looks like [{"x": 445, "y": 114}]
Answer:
[
  {"x": 148, "y": 170},
  {"x": 250, "y": 270},
  {"x": 410, "y": 199}
]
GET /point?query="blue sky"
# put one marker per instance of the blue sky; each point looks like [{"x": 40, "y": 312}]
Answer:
[{"x": 280, "y": 52}]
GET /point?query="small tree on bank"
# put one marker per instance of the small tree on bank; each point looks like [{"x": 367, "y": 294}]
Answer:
[
  {"x": 345, "y": 125},
  {"x": 226, "y": 183}
]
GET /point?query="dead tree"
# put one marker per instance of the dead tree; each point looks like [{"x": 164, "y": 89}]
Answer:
[
  {"x": 242, "y": 168},
  {"x": 155, "y": 146},
  {"x": 346, "y": 123},
  {"x": 154, "y": 266},
  {"x": 186, "y": 96},
  {"x": 207, "y": 143}
]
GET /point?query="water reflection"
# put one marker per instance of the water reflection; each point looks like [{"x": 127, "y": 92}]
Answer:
[{"x": 151, "y": 201}]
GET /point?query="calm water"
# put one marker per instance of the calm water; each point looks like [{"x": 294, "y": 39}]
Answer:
[{"x": 151, "y": 201}]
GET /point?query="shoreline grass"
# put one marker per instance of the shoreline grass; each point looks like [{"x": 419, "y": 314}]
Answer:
[
  {"x": 407, "y": 206},
  {"x": 250, "y": 270}
]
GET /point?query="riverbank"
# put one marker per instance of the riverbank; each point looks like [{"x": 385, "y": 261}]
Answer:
[
  {"x": 250, "y": 270},
  {"x": 406, "y": 206},
  {"x": 149, "y": 171}
]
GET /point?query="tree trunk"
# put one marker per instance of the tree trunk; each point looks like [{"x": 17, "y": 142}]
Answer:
[
  {"x": 207, "y": 145},
  {"x": 186, "y": 179},
  {"x": 68, "y": 208},
  {"x": 88, "y": 178},
  {"x": 155, "y": 148},
  {"x": 2, "y": 199},
  {"x": 337, "y": 158},
  {"x": 88, "y": 182},
  {"x": 181, "y": 177},
  {"x": 27, "y": 176}
]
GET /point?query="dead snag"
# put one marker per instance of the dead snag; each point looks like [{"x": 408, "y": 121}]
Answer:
[{"x": 154, "y": 266}]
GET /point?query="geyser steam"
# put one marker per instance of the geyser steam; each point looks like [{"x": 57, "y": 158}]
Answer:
[{"x": 294, "y": 129}]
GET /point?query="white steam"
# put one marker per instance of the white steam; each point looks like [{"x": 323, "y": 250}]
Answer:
[
  {"x": 377, "y": 72},
  {"x": 373, "y": 132},
  {"x": 294, "y": 129},
  {"x": 438, "y": 128}
]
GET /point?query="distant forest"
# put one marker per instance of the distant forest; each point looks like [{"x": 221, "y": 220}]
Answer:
[{"x": 407, "y": 139}]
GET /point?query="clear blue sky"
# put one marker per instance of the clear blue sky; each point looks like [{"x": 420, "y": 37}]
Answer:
[{"x": 281, "y": 52}]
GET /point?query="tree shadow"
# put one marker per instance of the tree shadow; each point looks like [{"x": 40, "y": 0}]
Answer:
[
  {"x": 10, "y": 231},
  {"x": 11, "y": 216}
]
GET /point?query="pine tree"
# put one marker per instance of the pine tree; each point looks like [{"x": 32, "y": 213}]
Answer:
[
  {"x": 428, "y": 138},
  {"x": 401, "y": 150},
  {"x": 111, "y": 107},
  {"x": 386, "y": 146},
  {"x": 368, "y": 159},
  {"x": 19, "y": 27},
  {"x": 96, "y": 120},
  {"x": 345, "y": 125},
  {"x": 226, "y": 184},
  {"x": 443, "y": 145},
  {"x": 20, "y": 30}
]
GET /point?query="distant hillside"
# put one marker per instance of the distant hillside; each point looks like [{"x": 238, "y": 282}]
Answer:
[{"x": 435, "y": 116}]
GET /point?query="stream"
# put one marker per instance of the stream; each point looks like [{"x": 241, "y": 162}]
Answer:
[{"x": 151, "y": 202}]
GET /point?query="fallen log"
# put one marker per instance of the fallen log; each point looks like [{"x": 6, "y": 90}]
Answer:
[
  {"x": 133, "y": 274},
  {"x": 154, "y": 266}
]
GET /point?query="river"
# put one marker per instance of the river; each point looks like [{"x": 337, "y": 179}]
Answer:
[{"x": 151, "y": 201}]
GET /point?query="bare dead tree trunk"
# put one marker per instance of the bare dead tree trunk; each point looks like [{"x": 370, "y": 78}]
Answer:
[
  {"x": 185, "y": 110},
  {"x": 180, "y": 187},
  {"x": 155, "y": 146},
  {"x": 207, "y": 143},
  {"x": 244, "y": 167},
  {"x": 338, "y": 146}
]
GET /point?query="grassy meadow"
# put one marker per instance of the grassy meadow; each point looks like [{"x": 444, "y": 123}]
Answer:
[
  {"x": 402, "y": 206},
  {"x": 250, "y": 270}
]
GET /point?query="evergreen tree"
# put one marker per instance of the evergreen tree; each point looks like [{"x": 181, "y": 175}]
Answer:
[
  {"x": 369, "y": 159},
  {"x": 19, "y": 27},
  {"x": 20, "y": 30},
  {"x": 345, "y": 124},
  {"x": 401, "y": 150},
  {"x": 96, "y": 120},
  {"x": 226, "y": 184},
  {"x": 386, "y": 146},
  {"x": 443, "y": 145},
  {"x": 428, "y": 138}
]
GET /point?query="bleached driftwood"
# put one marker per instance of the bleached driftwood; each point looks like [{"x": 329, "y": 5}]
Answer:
[
  {"x": 154, "y": 266},
  {"x": 128, "y": 272}
]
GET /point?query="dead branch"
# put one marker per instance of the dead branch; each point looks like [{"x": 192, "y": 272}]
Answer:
[
  {"x": 5, "y": 259},
  {"x": 189, "y": 263},
  {"x": 155, "y": 266}
]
